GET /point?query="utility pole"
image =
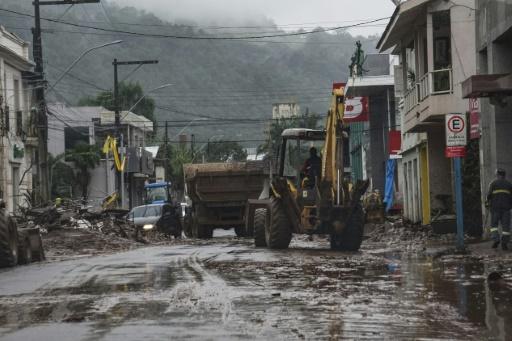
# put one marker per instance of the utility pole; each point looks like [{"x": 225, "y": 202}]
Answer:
[
  {"x": 42, "y": 118},
  {"x": 166, "y": 143},
  {"x": 192, "y": 144},
  {"x": 117, "y": 122}
]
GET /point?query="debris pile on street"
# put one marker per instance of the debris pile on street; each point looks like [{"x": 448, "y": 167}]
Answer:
[
  {"x": 394, "y": 232},
  {"x": 74, "y": 231}
]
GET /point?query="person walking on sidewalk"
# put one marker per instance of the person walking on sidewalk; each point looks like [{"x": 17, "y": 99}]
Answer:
[{"x": 499, "y": 200}]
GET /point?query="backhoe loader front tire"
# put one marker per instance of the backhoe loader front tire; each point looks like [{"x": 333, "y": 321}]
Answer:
[
  {"x": 278, "y": 230},
  {"x": 352, "y": 236},
  {"x": 260, "y": 216}
]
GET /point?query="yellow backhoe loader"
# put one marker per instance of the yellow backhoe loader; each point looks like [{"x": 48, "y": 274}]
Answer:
[{"x": 298, "y": 200}]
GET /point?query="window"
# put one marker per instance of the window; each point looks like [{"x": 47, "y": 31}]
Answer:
[
  {"x": 442, "y": 51},
  {"x": 7, "y": 119},
  {"x": 16, "y": 89},
  {"x": 146, "y": 211},
  {"x": 296, "y": 154},
  {"x": 19, "y": 123}
]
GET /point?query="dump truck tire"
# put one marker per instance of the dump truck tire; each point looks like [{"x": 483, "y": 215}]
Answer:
[
  {"x": 278, "y": 232},
  {"x": 240, "y": 231},
  {"x": 38, "y": 250},
  {"x": 201, "y": 231},
  {"x": 352, "y": 236},
  {"x": 188, "y": 226},
  {"x": 8, "y": 241},
  {"x": 204, "y": 232},
  {"x": 24, "y": 250},
  {"x": 260, "y": 216}
]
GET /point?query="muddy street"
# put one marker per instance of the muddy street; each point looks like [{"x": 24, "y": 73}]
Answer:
[{"x": 227, "y": 289}]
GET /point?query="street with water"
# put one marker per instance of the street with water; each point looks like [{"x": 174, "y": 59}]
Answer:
[{"x": 225, "y": 288}]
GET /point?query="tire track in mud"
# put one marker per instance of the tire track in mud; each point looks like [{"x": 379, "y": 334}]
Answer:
[
  {"x": 339, "y": 296},
  {"x": 233, "y": 291},
  {"x": 177, "y": 288}
]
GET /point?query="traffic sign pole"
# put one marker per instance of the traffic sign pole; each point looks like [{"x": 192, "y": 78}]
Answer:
[
  {"x": 458, "y": 203},
  {"x": 456, "y": 140}
]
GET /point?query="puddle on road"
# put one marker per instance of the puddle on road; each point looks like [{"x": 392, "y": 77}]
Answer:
[
  {"x": 388, "y": 297},
  {"x": 298, "y": 293}
]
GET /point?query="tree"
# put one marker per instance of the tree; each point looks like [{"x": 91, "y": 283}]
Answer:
[
  {"x": 129, "y": 94},
  {"x": 178, "y": 156},
  {"x": 62, "y": 177},
  {"x": 223, "y": 151},
  {"x": 85, "y": 157}
]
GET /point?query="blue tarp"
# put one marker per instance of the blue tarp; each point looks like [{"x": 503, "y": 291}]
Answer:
[{"x": 390, "y": 183}]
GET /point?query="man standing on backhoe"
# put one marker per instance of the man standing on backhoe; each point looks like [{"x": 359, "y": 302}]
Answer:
[
  {"x": 312, "y": 167},
  {"x": 499, "y": 200}
]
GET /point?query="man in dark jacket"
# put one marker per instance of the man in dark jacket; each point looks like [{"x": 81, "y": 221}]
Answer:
[
  {"x": 499, "y": 199},
  {"x": 312, "y": 167}
]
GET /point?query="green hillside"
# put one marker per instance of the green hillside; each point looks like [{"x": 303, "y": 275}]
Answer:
[{"x": 212, "y": 78}]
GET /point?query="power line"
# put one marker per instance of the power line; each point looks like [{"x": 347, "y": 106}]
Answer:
[
  {"x": 210, "y": 27},
  {"x": 51, "y": 30},
  {"x": 200, "y": 37}
]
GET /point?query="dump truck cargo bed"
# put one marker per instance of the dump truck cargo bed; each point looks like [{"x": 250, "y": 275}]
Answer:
[
  {"x": 218, "y": 183},
  {"x": 219, "y": 193}
]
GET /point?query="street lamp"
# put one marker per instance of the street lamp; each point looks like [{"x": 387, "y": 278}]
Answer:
[
  {"x": 143, "y": 96},
  {"x": 79, "y": 58},
  {"x": 189, "y": 123}
]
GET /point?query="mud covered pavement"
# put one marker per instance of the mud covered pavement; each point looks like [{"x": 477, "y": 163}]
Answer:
[{"x": 227, "y": 289}]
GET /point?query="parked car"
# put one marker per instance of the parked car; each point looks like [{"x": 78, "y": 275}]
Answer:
[{"x": 164, "y": 218}]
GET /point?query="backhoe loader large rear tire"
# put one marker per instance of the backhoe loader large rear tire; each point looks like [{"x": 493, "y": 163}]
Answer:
[
  {"x": 260, "y": 216},
  {"x": 278, "y": 230},
  {"x": 8, "y": 241},
  {"x": 352, "y": 236}
]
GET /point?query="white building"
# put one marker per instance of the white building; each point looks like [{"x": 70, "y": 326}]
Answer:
[
  {"x": 285, "y": 110},
  {"x": 91, "y": 125},
  {"x": 17, "y": 140}
]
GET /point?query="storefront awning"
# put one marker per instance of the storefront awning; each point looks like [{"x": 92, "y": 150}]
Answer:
[{"x": 487, "y": 85}]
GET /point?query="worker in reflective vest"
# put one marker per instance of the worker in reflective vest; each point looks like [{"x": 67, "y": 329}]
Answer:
[{"x": 499, "y": 200}]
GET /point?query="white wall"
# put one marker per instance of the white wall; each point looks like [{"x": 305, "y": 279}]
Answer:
[
  {"x": 8, "y": 75},
  {"x": 100, "y": 176},
  {"x": 285, "y": 110}
]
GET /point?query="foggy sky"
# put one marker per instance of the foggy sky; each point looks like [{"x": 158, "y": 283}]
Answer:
[{"x": 283, "y": 12}]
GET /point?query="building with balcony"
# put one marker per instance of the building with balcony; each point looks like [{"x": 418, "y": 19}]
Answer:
[
  {"x": 492, "y": 85},
  {"x": 17, "y": 141},
  {"x": 434, "y": 40}
]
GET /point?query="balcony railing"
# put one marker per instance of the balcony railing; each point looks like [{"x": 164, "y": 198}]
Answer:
[
  {"x": 411, "y": 98},
  {"x": 437, "y": 82},
  {"x": 424, "y": 87}
]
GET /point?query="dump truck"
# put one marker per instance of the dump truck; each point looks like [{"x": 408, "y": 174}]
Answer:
[
  {"x": 296, "y": 200},
  {"x": 219, "y": 193},
  {"x": 18, "y": 244}
]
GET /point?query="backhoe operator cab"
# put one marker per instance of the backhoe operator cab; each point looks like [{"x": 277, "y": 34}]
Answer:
[
  {"x": 294, "y": 154},
  {"x": 300, "y": 201}
]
